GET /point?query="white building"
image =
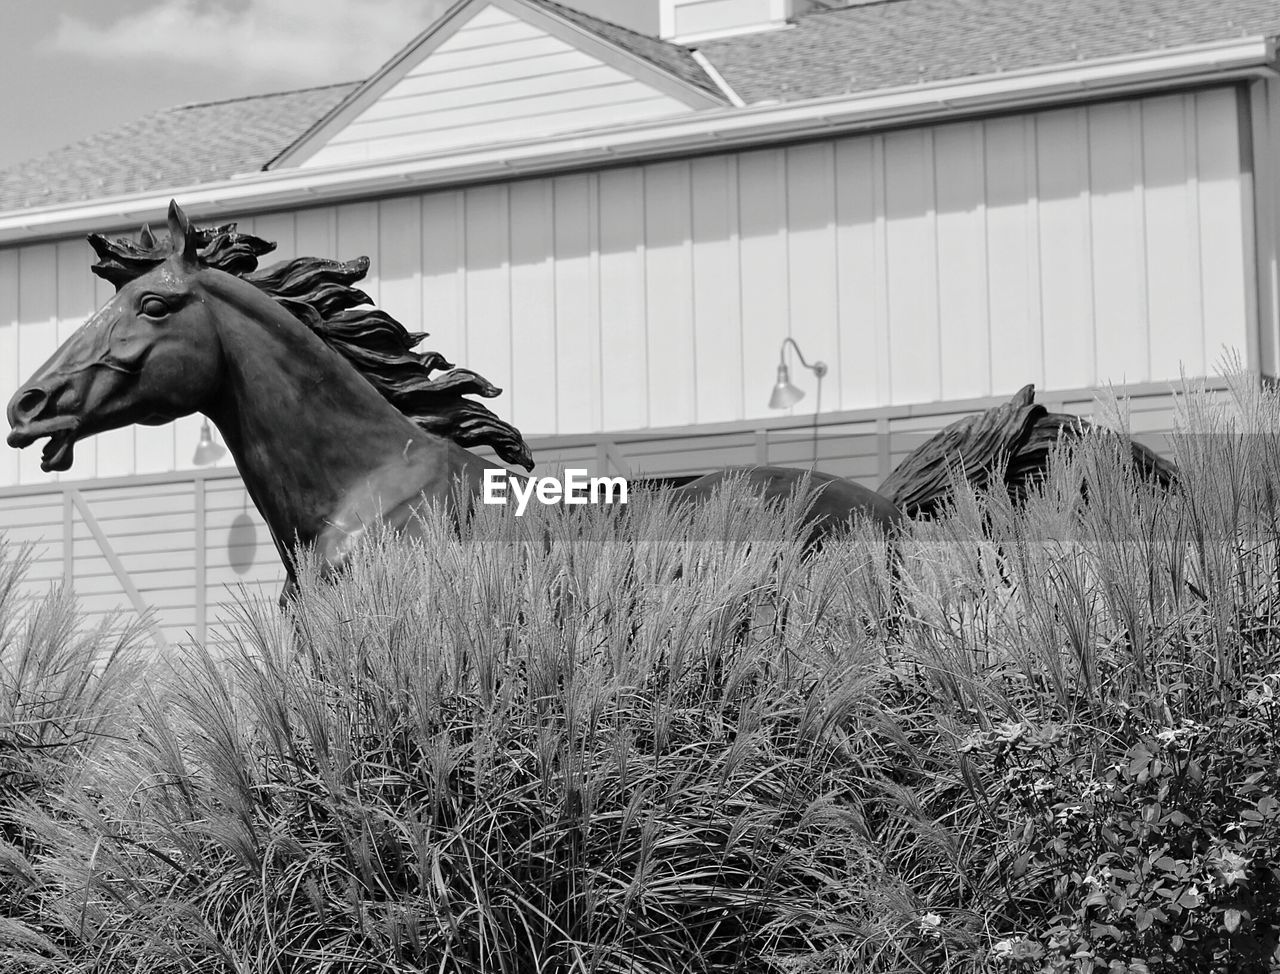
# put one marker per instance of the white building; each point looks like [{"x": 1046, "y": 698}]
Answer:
[{"x": 942, "y": 199}]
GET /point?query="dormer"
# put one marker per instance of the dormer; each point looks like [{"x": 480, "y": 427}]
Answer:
[
  {"x": 684, "y": 21},
  {"x": 689, "y": 21}
]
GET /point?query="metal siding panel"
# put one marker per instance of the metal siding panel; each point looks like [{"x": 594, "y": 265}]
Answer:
[
  {"x": 1222, "y": 235},
  {"x": 1119, "y": 243},
  {"x": 314, "y": 233},
  {"x": 705, "y": 16},
  {"x": 489, "y": 287},
  {"x": 489, "y": 28},
  {"x": 503, "y": 96},
  {"x": 577, "y": 316},
  {"x": 442, "y": 124},
  {"x": 627, "y": 103},
  {"x": 717, "y": 309},
  {"x": 282, "y": 230},
  {"x": 415, "y": 86},
  {"x": 400, "y": 260},
  {"x": 915, "y": 367},
  {"x": 1066, "y": 273},
  {"x": 1173, "y": 259},
  {"x": 859, "y": 242},
  {"x": 10, "y": 372},
  {"x": 532, "y": 404},
  {"x": 811, "y": 266},
  {"x": 1012, "y": 265},
  {"x": 673, "y": 380},
  {"x": 623, "y": 346},
  {"x": 155, "y": 449},
  {"x": 444, "y": 299},
  {"x": 965, "y": 337},
  {"x": 75, "y": 307},
  {"x": 38, "y": 335},
  {"x": 763, "y": 248},
  {"x": 357, "y": 236},
  {"x": 1264, "y": 117},
  {"x": 443, "y": 61}
]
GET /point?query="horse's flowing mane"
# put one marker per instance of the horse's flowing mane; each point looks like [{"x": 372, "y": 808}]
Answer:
[{"x": 319, "y": 293}]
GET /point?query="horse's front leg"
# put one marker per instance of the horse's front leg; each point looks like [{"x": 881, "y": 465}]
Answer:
[{"x": 289, "y": 592}]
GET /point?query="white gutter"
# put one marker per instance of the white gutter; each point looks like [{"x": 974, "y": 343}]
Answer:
[{"x": 711, "y": 130}]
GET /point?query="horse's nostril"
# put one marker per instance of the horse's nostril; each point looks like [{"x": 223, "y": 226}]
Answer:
[{"x": 31, "y": 402}]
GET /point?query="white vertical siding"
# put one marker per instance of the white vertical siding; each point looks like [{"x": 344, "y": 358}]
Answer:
[
  {"x": 915, "y": 361},
  {"x": 861, "y": 373},
  {"x": 488, "y": 275},
  {"x": 964, "y": 334},
  {"x": 498, "y": 78},
  {"x": 765, "y": 279},
  {"x": 1012, "y": 245},
  {"x": 717, "y": 288},
  {"x": 1119, "y": 240},
  {"x": 1264, "y": 135},
  {"x": 668, "y": 296},
  {"x": 1066, "y": 269},
  {"x": 812, "y": 291},
  {"x": 624, "y": 365},
  {"x": 1066, "y": 248},
  {"x": 38, "y": 334},
  {"x": 577, "y": 311},
  {"x": 1222, "y": 205},
  {"x": 11, "y": 374},
  {"x": 533, "y": 303}
]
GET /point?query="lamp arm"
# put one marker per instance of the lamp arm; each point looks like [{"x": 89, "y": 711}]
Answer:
[{"x": 817, "y": 368}]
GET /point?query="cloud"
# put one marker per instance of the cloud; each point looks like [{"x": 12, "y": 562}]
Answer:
[{"x": 290, "y": 41}]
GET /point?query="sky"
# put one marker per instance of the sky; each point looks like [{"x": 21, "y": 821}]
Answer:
[{"x": 69, "y": 68}]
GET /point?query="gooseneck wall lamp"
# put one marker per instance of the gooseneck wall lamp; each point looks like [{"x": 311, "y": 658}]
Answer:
[
  {"x": 785, "y": 394},
  {"x": 207, "y": 450}
]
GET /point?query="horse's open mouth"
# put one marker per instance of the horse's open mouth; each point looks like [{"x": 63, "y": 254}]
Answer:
[{"x": 58, "y": 452}]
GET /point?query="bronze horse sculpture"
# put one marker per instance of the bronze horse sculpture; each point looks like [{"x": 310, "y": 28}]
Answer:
[{"x": 332, "y": 419}]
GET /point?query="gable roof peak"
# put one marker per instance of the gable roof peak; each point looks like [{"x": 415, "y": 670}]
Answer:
[{"x": 675, "y": 75}]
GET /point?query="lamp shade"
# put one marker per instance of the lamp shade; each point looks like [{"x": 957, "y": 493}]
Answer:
[
  {"x": 784, "y": 393},
  {"x": 207, "y": 451}
]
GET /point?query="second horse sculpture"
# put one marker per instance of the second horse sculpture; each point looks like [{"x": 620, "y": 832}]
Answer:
[{"x": 332, "y": 419}]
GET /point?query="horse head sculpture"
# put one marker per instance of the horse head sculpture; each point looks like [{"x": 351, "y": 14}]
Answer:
[
  {"x": 332, "y": 418},
  {"x": 150, "y": 355}
]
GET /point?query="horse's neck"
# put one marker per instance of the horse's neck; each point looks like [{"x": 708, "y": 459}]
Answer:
[{"x": 321, "y": 452}]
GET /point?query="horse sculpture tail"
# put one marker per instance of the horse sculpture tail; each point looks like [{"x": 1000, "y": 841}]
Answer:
[{"x": 1009, "y": 444}]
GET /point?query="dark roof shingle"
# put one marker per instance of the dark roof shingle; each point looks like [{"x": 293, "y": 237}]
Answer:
[
  {"x": 902, "y": 42},
  {"x": 182, "y": 146}
]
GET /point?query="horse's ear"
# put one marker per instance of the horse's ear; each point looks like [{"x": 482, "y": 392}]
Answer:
[{"x": 181, "y": 229}]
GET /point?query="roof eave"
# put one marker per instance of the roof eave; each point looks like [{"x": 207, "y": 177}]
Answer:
[{"x": 714, "y": 130}]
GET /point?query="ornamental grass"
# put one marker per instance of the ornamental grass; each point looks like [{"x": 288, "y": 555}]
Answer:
[{"x": 1019, "y": 738}]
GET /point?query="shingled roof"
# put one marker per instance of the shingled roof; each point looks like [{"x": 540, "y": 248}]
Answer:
[
  {"x": 901, "y": 42},
  {"x": 184, "y": 146},
  {"x": 855, "y": 49}
]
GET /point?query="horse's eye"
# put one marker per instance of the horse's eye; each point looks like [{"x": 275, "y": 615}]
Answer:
[{"x": 154, "y": 307}]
